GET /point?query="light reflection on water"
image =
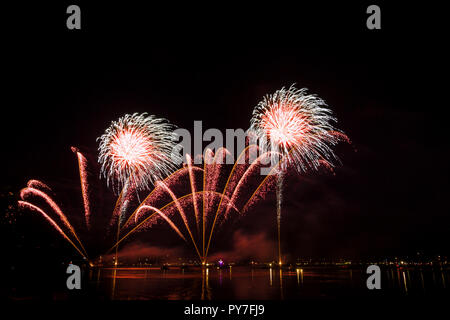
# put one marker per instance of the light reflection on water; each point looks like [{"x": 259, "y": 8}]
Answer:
[{"x": 253, "y": 283}]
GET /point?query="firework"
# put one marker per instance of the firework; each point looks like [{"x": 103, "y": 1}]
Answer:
[
  {"x": 297, "y": 125},
  {"x": 82, "y": 165},
  {"x": 298, "y": 128},
  {"x": 137, "y": 149},
  {"x": 214, "y": 201},
  {"x": 135, "y": 153},
  {"x": 218, "y": 201},
  {"x": 37, "y": 190},
  {"x": 174, "y": 227}
]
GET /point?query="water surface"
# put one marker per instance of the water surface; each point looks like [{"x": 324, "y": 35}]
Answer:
[{"x": 259, "y": 284}]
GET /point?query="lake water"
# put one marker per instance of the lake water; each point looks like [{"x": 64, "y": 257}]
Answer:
[{"x": 260, "y": 284}]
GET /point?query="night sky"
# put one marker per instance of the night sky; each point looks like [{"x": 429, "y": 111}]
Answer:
[{"x": 389, "y": 196}]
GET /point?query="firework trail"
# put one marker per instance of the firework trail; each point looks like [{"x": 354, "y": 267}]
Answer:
[
  {"x": 279, "y": 194},
  {"x": 26, "y": 192},
  {"x": 252, "y": 169},
  {"x": 174, "y": 227},
  {"x": 25, "y": 204},
  {"x": 298, "y": 126},
  {"x": 128, "y": 195},
  {"x": 159, "y": 191},
  {"x": 214, "y": 175},
  {"x": 36, "y": 184},
  {"x": 237, "y": 172},
  {"x": 213, "y": 170},
  {"x": 169, "y": 210},
  {"x": 40, "y": 190},
  {"x": 215, "y": 165},
  {"x": 82, "y": 167},
  {"x": 207, "y": 162},
  {"x": 179, "y": 207},
  {"x": 192, "y": 182}
]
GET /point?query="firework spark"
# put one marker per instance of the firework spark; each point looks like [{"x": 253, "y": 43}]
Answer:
[{"x": 137, "y": 149}]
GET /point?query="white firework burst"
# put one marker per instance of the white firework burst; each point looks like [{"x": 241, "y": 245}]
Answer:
[
  {"x": 296, "y": 125},
  {"x": 137, "y": 150}
]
